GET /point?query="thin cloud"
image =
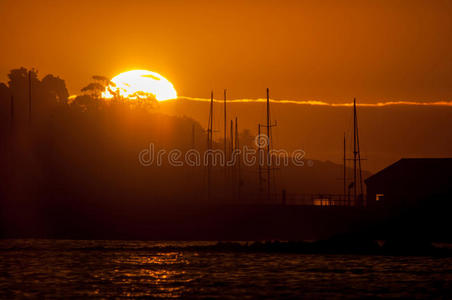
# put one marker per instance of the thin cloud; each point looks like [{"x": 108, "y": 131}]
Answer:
[{"x": 322, "y": 103}]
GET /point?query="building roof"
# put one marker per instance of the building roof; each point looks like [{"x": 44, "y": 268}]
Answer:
[{"x": 416, "y": 167}]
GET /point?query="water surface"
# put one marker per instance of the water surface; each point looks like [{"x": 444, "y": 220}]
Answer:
[{"x": 56, "y": 268}]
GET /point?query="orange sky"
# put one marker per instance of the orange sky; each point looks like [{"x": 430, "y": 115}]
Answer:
[{"x": 325, "y": 50}]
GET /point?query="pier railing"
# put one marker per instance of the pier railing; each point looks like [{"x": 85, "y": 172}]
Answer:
[{"x": 320, "y": 200}]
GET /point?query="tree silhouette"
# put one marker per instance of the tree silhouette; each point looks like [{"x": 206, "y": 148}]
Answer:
[
  {"x": 100, "y": 85},
  {"x": 55, "y": 88},
  {"x": 94, "y": 89},
  {"x": 45, "y": 94}
]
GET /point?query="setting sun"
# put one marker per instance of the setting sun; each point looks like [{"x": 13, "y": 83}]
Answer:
[{"x": 139, "y": 84}]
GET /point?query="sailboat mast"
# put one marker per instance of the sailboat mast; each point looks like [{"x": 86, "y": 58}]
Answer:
[
  {"x": 211, "y": 119},
  {"x": 355, "y": 152},
  {"x": 209, "y": 123},
  {"x": 225, "y": 126},
  {"x": 209, "y": 144},
  {"x": 238, "y": 156},
  {"x": 359, "y": 161},
  {"x": 268, "y": 147}
]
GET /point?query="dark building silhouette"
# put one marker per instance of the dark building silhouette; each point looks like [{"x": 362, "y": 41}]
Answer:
[{"x": 412, "y": 182}]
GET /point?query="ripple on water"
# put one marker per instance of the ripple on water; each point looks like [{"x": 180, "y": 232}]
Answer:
[{"x": 46, "y": 268}]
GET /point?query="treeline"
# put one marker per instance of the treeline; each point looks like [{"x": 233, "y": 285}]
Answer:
[{"x": 82, "y": 154}]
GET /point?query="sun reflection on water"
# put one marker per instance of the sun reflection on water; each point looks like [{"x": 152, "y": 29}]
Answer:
[{"x": 157, "y": 275}]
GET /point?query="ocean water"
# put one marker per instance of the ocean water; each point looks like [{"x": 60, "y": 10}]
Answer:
[{"x": 82, "y": 269}]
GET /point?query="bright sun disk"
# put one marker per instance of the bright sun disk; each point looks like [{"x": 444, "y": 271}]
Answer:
[{"x": 139, "y": 84}]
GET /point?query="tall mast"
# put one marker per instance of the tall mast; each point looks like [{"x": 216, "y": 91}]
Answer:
[
  {"x": 268, "y": 146},
  {"x": 225, "y": 126},
  {"x": 268, "y": 118},
  {"x": 225, "y": 152},
  {"x": 359, "y": 162},
  {"x": 209, "y": 122},
  {"x": 238, "y": 162},
  {"x": 355, "y": 152},
  {"x": 211, "y": 119},
  {"x": 209, "y": 144},
  {"x": 230, "y": 181}
]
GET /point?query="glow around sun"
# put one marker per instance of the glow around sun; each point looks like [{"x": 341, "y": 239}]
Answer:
[{"x": 140, "y": 84}]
